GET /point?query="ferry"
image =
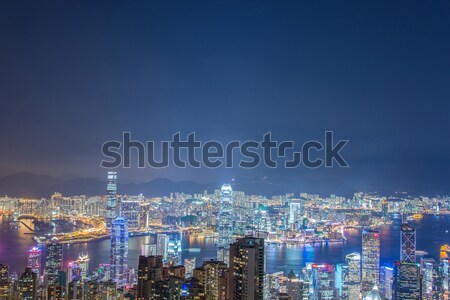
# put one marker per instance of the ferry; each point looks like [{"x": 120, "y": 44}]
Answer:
[{"x": 417, "y": 216}]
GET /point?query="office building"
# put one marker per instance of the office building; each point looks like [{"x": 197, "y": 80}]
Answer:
[
  {"x": 407, "y": 283},
  {"x": 34, "y": 260},
  {"x": 225, "y": 221},
  {"x": 112, "y": 206},
  {"x": 119, "y": 251},
  {"x": 54, "y": 260},
  {"x": 408, "y": 244},
  {"x": 370, "y": 260}
]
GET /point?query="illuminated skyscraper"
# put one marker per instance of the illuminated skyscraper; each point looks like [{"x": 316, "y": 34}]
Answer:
[
  {"x": 353, "y": 280},
  {"x": 83, "y": 263},
  {"x": 112, "y": 207},
  {"x": 407, "y": 283},
  {"x": 54, "y": 260},
  {"x": 323, "y": 283},
  {"x": 370, "y": 260},
  {"x": 27, "y": 285},
  {"x": 4, "y": 272},
  {"x": 428, "y": 277},
  {"x": 225, "y": 223},
  {"x": 408, "y": 244},
  {"x": 189, "y": 266},
  {"x": 174, "y": 250},
  {"x": 130, "y": 210},
  {"x": 162, "y": 245},
  {"x": 247, "y": 269},
  {"x": 119, "y": 251},
  {"x": 34, "y": 260}
]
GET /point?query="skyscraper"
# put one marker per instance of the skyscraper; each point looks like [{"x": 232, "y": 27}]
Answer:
[
  {"x": 162, "y": 245},
  {"x": 54, "y": 260},
  {"x": 34, "y": 260},
  {"x": 225, "y": 223},
  {"x": 407, "y": 283},
  {"x": 427, "y": 266},
  {"x": 112, "y": 206},
  {"x": 353, "y": 280},
  {"x": 83, "y": 263},
  {"x": 27, "y": 285},
  {"x": 323, "y": 283},
  {"x": 130, "y": 210},
  {"x": 408, "y": 244},
  {"x": 370, "y": 260},
  {"x": 189, "y": 265},
  {"x": 119, "y": 251},
  {"x": 247, "y": 269}
]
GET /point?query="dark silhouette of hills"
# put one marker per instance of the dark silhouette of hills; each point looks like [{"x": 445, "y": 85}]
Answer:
[{"x": 37, "y": 186}]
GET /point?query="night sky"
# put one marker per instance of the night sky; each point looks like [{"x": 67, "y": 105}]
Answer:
[{"x": 74, "y": 74}]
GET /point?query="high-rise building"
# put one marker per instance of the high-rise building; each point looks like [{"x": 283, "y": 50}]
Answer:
[
  {"x": 386, "y": 280},
  {"x": 119, "y": 251},
  {"x": 428, "y": 277},
  {"x": 295, "y": 212},
  {"x": 407, "y": 281},
  {"x": 189, "y": 265},
  {"x": 247, "y": 269},
  {"x": 27, "y": 285},
  {"x": 174, "y": 250},
  {"x": 83, "y": 264},
  {"x": 55, "y": 292},
  {"x": 212, "y": 279},
  {"x": 76, "y": 290},
  {"x": 225, "y": 223},
  {"x": 130, "y": 210},
  {"x": 4, "y": 272},
  {"x": 5, "y": 285},
  {"x": 162, "y": 245},
  {"x": 370, "y": 260},
  {"x": 408, "y": 244},
  {"x": 323, "y": 283},
  {"x": 353, "y": 280},
  {"x": 34, "y": 260},
  {"x": 112, "y": 207},
  {"x": 54, "y": 260}
]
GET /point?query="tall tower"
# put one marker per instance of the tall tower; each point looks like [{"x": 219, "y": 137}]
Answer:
[
  {"x": 34, "y": 260},
  {"x": 246, "y": 278},
  {"x": 323, "y": 282},
  {"x": 406, "y": 281},
  {"x": 112, "y": 207},
  {"x": 54, "y": 260},
  {"x": 370, "y": 260},
  {"x": 353, "y": 281},
  {"x": 119, "y": 251},
  {"x": 408, "y": 244},
  {"x": 225, "y": 223}
]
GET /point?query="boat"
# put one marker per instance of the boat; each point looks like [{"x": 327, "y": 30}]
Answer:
[{"x": 417, "y": 216}]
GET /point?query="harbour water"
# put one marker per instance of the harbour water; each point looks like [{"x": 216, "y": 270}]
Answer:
[{"x": 432, "y": 232}]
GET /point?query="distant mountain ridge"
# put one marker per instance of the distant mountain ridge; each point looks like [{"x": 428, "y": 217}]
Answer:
[{"x": 42, "y": 186}]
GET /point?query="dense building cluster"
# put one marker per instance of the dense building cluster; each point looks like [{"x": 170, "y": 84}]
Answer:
[{"x": 242, "y": 226}]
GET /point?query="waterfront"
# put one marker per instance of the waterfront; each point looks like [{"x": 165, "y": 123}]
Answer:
[{"x": 432, "y": 232}]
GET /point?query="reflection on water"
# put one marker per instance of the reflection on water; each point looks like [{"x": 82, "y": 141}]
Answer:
[{"x": 432, "y": 231}]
